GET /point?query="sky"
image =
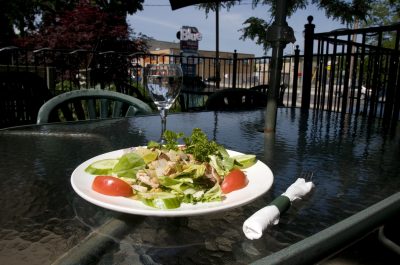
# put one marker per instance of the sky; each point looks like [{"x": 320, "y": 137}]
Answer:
[{"x": 158, "y": 21}]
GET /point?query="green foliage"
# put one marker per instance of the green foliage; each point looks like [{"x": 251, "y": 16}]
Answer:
[
  {"x": 212, "y": 6},
  {"x": 63, "y": 17},
  {"x": 18, "y": 14},
  {"x": 80, "y": 28},
  {"x": 199, "y": 145},
  {"x": 171, "y": 138},
  {"x": 255, "y": 28},
  {"x": 345, "y": 11},
  {"x": 384, "y": 12},
  {"x": 65, "y": 85}
]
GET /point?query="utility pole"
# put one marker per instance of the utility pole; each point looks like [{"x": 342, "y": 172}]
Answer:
[
  {"x": 278, "y": 34},
  {"x": 353, "y": 49},
  {"x": 217, "y": 67}
]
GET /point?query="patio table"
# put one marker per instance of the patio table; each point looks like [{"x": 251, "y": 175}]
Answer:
[{"x": 43, "y": 221}]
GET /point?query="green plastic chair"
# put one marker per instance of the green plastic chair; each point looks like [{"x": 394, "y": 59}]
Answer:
[{"x": 90, "y": 104}]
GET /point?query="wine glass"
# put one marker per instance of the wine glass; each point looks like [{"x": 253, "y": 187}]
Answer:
[{"x": 163, "y": 82}]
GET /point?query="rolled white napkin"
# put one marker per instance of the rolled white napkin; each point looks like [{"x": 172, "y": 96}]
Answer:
[
  {"x": 298, "y": 189},
  {"x": 254, "y": 226}
]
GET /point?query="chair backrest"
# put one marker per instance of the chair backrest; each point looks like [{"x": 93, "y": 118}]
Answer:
[
  {"x": 236, "y": 99},
  {"x": 21, "y": 96},
  {"x": 89, "y": 104},
  {"x": 260, "y": 88},
  {"x": 264, "y": 89}
]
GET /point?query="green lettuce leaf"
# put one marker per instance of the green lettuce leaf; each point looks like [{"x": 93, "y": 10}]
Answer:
[
  {"x": 222, "y": 166},
  {"x": 194, "y": 171},
  {"x": 213, "y": 194},
  {"x": 128, "y": 165}
]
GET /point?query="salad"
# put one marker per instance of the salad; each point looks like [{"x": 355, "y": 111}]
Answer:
[{"x": 165, "y": 176}]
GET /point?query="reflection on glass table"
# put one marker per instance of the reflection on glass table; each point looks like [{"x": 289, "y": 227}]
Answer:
[{"x": 355, "y": 166}]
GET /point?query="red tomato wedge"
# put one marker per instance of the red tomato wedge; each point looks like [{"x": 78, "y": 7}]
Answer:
[
  {"x": 235, "y": 180},
  {"x": 109, "y": 185}
]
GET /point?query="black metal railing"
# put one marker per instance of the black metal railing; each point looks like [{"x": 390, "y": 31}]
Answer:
[
  {"x": 69, "y": 70},
  {"x": 353, "y": 71},
  {"x": 348, "y": 71}
]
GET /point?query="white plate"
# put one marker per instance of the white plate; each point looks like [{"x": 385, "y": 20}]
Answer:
[{"x": 259, "y": 175}]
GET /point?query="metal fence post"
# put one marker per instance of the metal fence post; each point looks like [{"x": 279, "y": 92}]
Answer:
[
  {"x": 389, "y": 113},
  {"x": 295, "y": 75},
  {"x": 51, "y": 78},
  {"x": 308, "y": 61},
  {"x": 347, "y": 76},
  {"x": 234, "y": 69}
]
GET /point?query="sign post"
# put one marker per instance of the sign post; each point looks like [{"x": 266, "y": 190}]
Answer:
[{"x": 189, "y": 44}]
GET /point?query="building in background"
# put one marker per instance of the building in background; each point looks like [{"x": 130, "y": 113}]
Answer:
[{"x": 204, "y": 64}]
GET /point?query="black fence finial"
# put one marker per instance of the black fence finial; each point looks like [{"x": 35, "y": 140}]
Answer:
[{"x": 308, "y": 60}]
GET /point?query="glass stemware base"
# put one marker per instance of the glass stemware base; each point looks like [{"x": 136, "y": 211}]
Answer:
[{"x": 163, "y": 114}]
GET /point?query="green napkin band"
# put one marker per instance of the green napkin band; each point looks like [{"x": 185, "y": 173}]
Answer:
[{"x": 282, "y": 203}]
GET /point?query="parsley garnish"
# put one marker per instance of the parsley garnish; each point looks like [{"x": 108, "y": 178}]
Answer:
[
  {"x": 171, "y": 139},
  {"x": 196, "y": 144},
  {"x": 199, "y": 145}
]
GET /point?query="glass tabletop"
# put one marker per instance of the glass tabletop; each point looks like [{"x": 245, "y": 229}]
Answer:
[{"x": 355, "y": 166}]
